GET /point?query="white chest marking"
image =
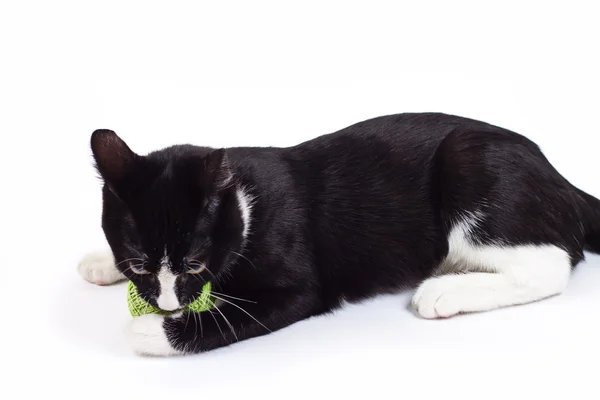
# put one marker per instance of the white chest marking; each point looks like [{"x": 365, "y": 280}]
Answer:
[{"x": 245, "y": 202}]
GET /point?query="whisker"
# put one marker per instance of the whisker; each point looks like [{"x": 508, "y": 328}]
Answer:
[
  {"x": 199, "y": 314},
  {"x": 186, "y": 322},
  {"x": 218, "y": 326},
  {"x": 146, "y": 307},
  {"x": 227, "y": 321},
  {"x": 244, "y": 257},
  {"x": 129, "y": 259},
  {"x": 233, "y": 297},
  {"x": 198, "y": 277},
  {"x": 131, "y": 266},
  {"x": 247, "y": 313},
  {"x": 125, "y": 270},
  {"x": 201, "y": 329},
  {"x": 195, "y": 324},
  {"x": 211, "y": 274},
  {"x": 193, "y": 261},
  {"x": 134, "y": 250}
]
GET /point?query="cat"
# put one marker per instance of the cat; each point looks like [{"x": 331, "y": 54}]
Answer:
[{"x": 470, "y": 214}]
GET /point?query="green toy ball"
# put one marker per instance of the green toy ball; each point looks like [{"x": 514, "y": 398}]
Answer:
[{"x": 138, "y": 306}]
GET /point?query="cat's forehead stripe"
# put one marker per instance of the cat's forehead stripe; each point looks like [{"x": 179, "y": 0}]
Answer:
[{"x": 165, "y": 262}]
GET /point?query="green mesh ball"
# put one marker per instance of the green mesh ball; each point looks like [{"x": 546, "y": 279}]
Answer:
[{"x": 138, "y": 306}]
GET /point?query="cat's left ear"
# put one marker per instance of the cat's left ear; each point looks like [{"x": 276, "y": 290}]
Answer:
[{"x": 115, "y": 161}]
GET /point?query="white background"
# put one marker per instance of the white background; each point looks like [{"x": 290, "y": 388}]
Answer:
[{"x": 275, "y": 74}]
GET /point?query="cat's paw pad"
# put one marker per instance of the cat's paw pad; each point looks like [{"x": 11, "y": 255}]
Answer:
[
  {"x": 146, "y": 335},
  {"x": 438, "y": 298},
  {"x": 99, "y": 268}
]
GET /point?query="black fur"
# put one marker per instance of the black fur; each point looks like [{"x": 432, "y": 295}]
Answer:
[{"x": 346, "y": 216}]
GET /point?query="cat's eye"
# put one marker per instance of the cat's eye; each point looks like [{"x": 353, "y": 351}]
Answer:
[
  {"x": 139, "y": 268},
  {"x": 194, "y": 267}
]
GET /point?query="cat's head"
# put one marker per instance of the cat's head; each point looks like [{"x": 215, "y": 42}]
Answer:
[{"x": 173, "y": 218}]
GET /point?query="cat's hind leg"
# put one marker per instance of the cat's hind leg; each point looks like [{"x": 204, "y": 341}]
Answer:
[
  {"x": 514, "y": 226},
  {"x": 99, "y": 268},
  {"x": 481, "y": 277}
]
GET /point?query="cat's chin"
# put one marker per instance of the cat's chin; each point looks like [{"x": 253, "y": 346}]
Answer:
[{"x": 146, "y": 336}]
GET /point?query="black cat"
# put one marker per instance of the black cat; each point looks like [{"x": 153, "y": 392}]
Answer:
[{"x": 472, "y": 213}]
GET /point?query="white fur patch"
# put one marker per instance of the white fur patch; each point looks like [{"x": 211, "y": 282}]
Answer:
[
  {"x": 486, "y": 277},
  {"x": 99, "y": 268},
  {"x": 146, "y": 336},
  {"x": 167, "y": 300},
  {"x": 245, "y": 206}
]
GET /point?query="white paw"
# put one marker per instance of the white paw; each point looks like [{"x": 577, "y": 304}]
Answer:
[
  {"x": 99, "y": 268},
  {"x": 440, "y": 297},
  {"x": 146, "y": 335}
]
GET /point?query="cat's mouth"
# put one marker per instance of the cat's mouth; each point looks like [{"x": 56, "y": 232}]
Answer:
[
  {"x": 204, "y": 302},
  {"x": 168, "y": 305}
]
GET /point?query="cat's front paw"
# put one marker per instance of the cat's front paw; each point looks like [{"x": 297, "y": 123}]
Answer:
[
  {"x": 147, "y": 336},
  {"x": 99, "y": 268}
]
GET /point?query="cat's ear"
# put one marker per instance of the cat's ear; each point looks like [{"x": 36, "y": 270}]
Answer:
[
  {"x": 115, "y": 161},
  {"x": 217, "y": 173}
]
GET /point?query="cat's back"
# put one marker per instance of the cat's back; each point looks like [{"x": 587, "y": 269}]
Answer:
[
  {"x": 400, "y": 131},
  {"x": 405, "y": 133},
  {"x": 388, "y": 146}
]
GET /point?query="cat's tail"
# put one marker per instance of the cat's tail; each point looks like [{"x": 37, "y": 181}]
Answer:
[{"x": 591, "y": 221}]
